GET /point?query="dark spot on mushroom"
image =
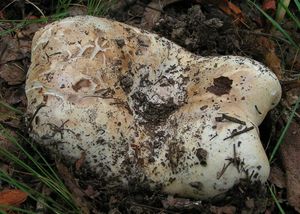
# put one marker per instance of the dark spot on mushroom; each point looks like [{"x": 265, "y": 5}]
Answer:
[
  {"x": 171, "y": 180},
  {"x": 120, "y": 43},
  {"x": 239, "y": 143},
  {"x": 126, "y": 82},
  {"x": 37, "y": 120},
  {"x": 201, "y": 155},
  {"x": 83, "y": 83},
  {"x": 197, "y": 185},
  {"x": 256, "y": 108},
  {"x": 152, "y": 112},
  {"x": 45, "y": 98},
  {"x": 203, "y": 107},
  {"x": 221, "y": 86}
]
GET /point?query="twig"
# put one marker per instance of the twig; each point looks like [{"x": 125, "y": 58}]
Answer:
[
  {"x": 219, "y": 175},
  {"x": 35, "y": 113},
  {"x": 256, "y": 108},
  {"x": 230, "y": 118},
  {"x": 234, "y": 134}
]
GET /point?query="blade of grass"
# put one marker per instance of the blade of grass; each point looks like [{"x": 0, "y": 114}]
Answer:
[
  {"x": 49, "y": 180},
  {"x": 27, "y": 22},
  {"x": 99, "y": 7},
  {"x": 15, "y": 142},
  {"x": 33, "y": 194},
  {"x": 297, "y": 4},
  {"x": 276, "y": 25},
  {"x": 56, "y": 177},
  {"x": 11, "y": 208},
  {"x": 60, "y": 190},
  {"x": 281, "y": 210},
  {"x": 280, "y": 12},
  {"x": 10, "y": 108},
  {"x": 290, "y": 14},
  {"x": 283, "y": 133},
  {"x": 63, "y": 5}
]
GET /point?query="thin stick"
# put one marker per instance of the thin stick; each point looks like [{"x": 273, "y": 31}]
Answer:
[{"x": 239, "y": 132}]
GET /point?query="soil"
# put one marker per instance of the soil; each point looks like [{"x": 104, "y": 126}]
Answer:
[{"x": 204, "y": 29}]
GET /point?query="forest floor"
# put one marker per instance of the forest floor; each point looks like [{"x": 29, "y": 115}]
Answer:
[{"x": 204, "y": 27}]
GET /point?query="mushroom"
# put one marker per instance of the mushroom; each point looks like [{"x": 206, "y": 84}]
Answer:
[{"x": 145, "y": 111}]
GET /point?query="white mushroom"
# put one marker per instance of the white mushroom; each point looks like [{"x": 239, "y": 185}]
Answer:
[{"x": 147, "y": 112}]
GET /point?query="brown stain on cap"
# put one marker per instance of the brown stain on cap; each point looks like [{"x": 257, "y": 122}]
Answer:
[{"x": 221, "y": 86}]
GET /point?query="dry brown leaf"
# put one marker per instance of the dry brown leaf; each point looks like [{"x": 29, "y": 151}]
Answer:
[
  {"x": 277, "y": 177},
  {"x": 14, "y": 49},
  {"x": 271, "y": 59},
  {"x": 231, "y": 9},
  {"x": 273, "y": 62},
  {"x": 269, "y": 5},
  {"x": 12, "y": 197},
  {"x": 290, "y": 152},
  {"x": 17, "y": 46},
  {"x": 12, "y": 73},
  {"x": 15, "y": 95}
]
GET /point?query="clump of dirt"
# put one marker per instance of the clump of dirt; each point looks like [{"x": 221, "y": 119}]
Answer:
[{"x": 203, "y": 31}]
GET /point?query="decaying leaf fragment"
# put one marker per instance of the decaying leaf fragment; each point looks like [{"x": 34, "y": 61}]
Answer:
[{"x": 12, "y": 197}]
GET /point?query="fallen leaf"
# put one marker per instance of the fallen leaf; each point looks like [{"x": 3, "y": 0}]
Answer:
[
  {"x": 269, "y": 5},
  {"x": 12, "y": 73},
  {"x": 274, "y": 63},
  {"x": 270, "y": 57},
  {"x": 15, "y": 95},
  {"x": 277, "y": 177},
  {"x": 12, "y": 197},
  {"x": 232, "y": 10},
  {"x": 16, "y": 46},
  {"x": 290, "y": 152}
]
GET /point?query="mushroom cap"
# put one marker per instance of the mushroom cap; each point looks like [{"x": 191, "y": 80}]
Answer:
[{"x": 145, "y": 111}]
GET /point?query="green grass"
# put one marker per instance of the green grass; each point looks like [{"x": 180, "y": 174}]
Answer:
[
  {"x": 94, "y": 7},
  {"x": 277, "y": 25},
  {"x": 39, "y": 169},
  {"x": 285, "y": 129},
  {"x": 99, "y": 7},
  {"x": 19, "y": 24},
  {"x": 63, "y": 6},
  {"x": 9, "y": 107},
  {"x": 281, "y": 210},
  {"x": 290, "y": 14}
]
